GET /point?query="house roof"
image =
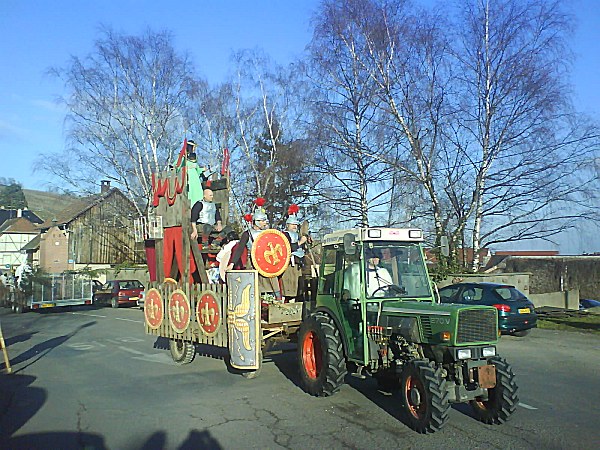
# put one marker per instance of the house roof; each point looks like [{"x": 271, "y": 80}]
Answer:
[
  {"x": 18, "y": 225},
  {"x": 76, "y": 209},
  {"x": 33, "y": 244},
  {"x": 526, "y": 252},
  {"x": 48, "y": 204},
  {"x": 6, "y": 214}
]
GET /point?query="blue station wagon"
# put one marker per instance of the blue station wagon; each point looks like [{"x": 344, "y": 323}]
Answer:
[{"x": 516, "y": 313}]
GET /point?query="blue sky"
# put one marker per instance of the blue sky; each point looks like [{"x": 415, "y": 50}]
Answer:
[{"x": 37, "y": 34}]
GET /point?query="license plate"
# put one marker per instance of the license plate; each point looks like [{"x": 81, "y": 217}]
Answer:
[
  {"x": 524, "y": 311},
  {"x": 48, "y": 305}
]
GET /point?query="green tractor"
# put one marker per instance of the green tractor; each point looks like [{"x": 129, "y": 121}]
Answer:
[{"x": 375, "y": 312}]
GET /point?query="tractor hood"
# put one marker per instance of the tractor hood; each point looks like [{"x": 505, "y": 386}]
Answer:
[{"x": 434, "y": 323}]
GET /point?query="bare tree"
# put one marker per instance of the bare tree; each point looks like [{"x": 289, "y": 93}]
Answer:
[
  {"x": 269, "y": 151},
  {"x": 516, "y": 131},
  {"x": 129, "y": 102},
  {"x": 347, "y": 129}
]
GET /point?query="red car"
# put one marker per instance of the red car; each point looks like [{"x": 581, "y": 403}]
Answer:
[{"x": 119, "y": 292}]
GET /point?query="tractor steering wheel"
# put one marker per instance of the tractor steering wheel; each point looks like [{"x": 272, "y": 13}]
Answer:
[{"x": 389, "y": 290}]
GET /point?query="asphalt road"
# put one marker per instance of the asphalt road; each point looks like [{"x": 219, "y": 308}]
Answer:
[{"x": 91, "y": 378}]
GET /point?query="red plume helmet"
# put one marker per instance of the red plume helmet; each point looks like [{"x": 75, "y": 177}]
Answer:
[
  {"x": 259, "y": 201},
  {"x": 293, "y": 209},
  {"x": 248, "y": 217}
]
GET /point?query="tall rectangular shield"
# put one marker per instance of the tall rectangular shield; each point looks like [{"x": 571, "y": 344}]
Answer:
[{"x": 243, "y": 318}]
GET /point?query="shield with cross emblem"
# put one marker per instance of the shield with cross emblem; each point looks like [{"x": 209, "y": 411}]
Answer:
[
  {"x": 208, "y": 313},
  {"x": 153, "y": 309},
  {"x": 179, "y": 311},
  {"x": 271, "y": 253}
]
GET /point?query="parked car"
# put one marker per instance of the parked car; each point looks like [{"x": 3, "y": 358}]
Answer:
[
  {"x": 119, "y": 292},
  {"x": 140, "y": 301},
  {"x": 96, "y": 284},
  {"x": 516, "y": 313},
  {"x": 585, "y": 304}
]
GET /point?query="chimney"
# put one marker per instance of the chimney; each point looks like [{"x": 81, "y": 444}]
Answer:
[
  {"x": 19, "y": 212},
  {"x": 104, "y": 186}
]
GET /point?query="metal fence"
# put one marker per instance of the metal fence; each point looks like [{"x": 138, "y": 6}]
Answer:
[{"x": 56, "y": 288}]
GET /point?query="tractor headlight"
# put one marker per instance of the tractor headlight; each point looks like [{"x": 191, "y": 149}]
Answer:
[
  {"x": 488, "y": 351},
  {"x": 464, "y": 353}
]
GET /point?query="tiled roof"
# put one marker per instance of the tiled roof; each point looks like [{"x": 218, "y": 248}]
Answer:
[
  {"x": 18, "y": 225},
  {"x": 6, "y": 214},
  {"x": 48, "y": 204},
  {"x": 33, "y": 244},
  {"x": 76, "y": 209}
]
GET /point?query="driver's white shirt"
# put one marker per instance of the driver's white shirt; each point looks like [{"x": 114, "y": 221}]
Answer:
[{"x": 377, "y": 277}]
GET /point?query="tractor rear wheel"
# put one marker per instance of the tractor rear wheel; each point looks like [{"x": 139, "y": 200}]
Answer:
[
  {"x": 320, "y": 356},
  {"x": 424, "y": 396},
  {"x": 502, "y": 400},
  {"x": 182, "y": 352}
]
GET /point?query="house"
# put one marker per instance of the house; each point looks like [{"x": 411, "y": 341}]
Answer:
[
  {"x": 93, "y": 232},
  {"x": 6, "y": 214},
  {"x": 15, "y": 233}
]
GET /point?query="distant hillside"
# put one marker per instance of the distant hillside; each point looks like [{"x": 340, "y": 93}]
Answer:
[{"x": 47, "y": 205}]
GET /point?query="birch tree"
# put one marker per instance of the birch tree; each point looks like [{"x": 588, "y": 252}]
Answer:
[
  {"x": 347, "y": 131},
  {"x": 525, "y": 147},
  {"x": 127, "y": 103}
]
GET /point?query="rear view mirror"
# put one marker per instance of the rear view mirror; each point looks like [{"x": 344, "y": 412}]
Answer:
[{"x": 349, "y": 244}]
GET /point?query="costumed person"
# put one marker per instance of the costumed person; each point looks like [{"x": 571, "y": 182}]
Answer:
[
  {"x": 259, "y": 222},
  {"x": 206, "y": 217},
  {"x": 291, "y": 279},
  {"x": 378, "y": 278},
  {"x": 225, "y": 254}
]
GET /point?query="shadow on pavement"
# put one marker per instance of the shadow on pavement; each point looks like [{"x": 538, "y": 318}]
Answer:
[
  {"x": 19, "y": 402},
  {"x": 20, "y": 338},
  {"x": 43, "y": 348}
]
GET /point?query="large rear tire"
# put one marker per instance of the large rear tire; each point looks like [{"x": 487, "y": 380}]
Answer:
[
  {"x": 320, "y": 356},
  {"x": 502, "y": 400},
  {"x": 182, "y": 352},
  {"x": 424, "y": 396}
]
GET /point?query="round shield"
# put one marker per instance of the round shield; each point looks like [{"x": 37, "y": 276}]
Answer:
[
  {"x": 153, "y": 308},
  {"x": 179, "y": 311},
  {"x": 208, "y": 314},
  {"x": 271, "y": 253}
]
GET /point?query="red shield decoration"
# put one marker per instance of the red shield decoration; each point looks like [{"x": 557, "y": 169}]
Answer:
[
  {"x": 153, "y": 309},
  {"x": 208, "y": 313},
  {"x": 179, "y": 311},
  {"x": 271, "y": 253}
]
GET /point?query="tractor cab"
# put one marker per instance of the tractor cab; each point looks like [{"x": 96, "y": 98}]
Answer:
[{"x": 364, "y": 267}]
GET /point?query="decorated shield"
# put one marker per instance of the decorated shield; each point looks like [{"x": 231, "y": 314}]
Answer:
[
  {"x": 208, "y": 313},
  {"x": 153, "y": 308},
  {"x": 271, "y": 253},
  {"x": 243, "y": 319},
  {"x": 179, "y": 311}
]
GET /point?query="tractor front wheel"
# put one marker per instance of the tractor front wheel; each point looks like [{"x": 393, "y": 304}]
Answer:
[
  {"x": 424, "y": 396},
  {"x": 502, "y": 399},
  {"x": 182, "y": 352},
  {"x": 320, "y": 356}
]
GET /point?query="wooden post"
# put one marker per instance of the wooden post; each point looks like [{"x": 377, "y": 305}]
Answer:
[{"x": 5, "y": 352}]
